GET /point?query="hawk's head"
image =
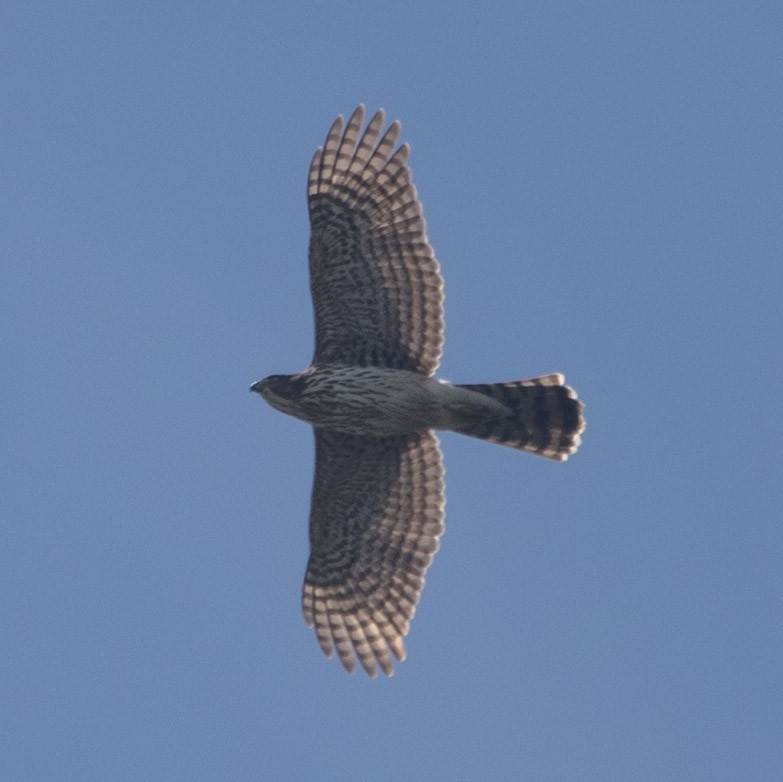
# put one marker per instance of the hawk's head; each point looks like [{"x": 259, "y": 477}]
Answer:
[{"x": 282, "y": 391}]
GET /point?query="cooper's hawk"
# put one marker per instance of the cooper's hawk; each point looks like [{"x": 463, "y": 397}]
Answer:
[{"x": 377, "y": 502}]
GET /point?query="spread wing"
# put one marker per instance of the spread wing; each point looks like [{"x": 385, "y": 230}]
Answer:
[
  {"x": 376, "y": 287},
  {"x": 375, "y": 521}
]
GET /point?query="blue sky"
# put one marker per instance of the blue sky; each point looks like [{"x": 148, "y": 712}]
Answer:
[{"x": 602, "y": 185}]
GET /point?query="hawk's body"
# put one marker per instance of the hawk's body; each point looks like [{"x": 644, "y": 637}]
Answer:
[
  {"x": 377, "y": 504},
  {"x": 377, "y": 400}
]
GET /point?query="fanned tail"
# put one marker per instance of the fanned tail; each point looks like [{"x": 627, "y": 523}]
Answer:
[{"x": 544, "y": 416}]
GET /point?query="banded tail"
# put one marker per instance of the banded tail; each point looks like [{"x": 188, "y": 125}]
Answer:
[{"x": 544, "y": 416}]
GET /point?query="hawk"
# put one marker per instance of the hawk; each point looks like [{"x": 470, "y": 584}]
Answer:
[{"x": 372, "y": 398}]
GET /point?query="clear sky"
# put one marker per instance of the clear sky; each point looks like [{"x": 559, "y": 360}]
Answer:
[{"x": 603, "y": 186}]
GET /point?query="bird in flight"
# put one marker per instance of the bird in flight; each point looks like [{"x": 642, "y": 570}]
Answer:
[{"x": 373, "y": 400}]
